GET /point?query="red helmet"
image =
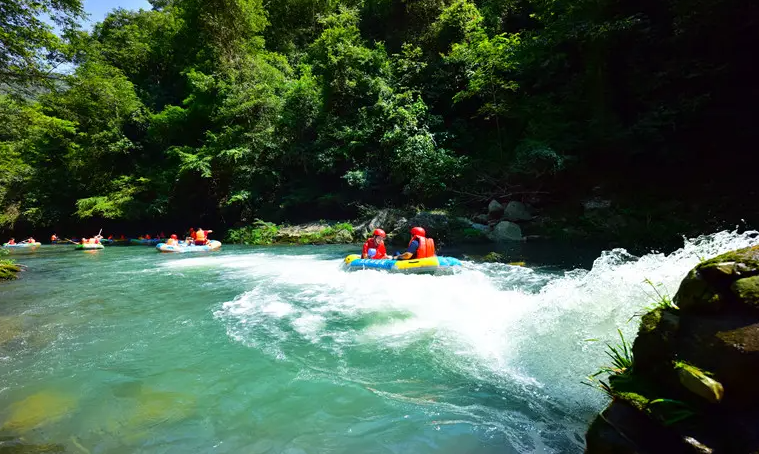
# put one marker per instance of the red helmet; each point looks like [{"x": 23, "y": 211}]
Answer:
[
  {"x": 418, "y": 231},
  {"x": 173, "y": 237},
  {"x": 379, "y": 232}
]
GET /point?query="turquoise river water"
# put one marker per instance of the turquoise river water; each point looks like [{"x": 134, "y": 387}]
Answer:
[{"x": 276, "y": 350}]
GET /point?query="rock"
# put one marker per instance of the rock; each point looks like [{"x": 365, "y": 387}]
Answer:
[
  {"x": 493, "y": 257},
  {"x": 484, "y": 228},
  {"x": 516, "y": 211},
  {"x": 695, "y": 369},
  {"x": 696, "y": 295},
  {"x": 728, "y": 347},
  {"x": 315, "y": 233},
  {"x": 622, "y": 429},
  {"x": 731, "y": 279},
  {"x": 481, "y": 219},
  {"x": 596, "y": 203},
  {"x": 443, "y": 228},
  {"x": 506, "y": 231},
  {"x": 343, "y": 236},
  {"x": 698, "y": 383},
  {"x": 386, "y": 219},
  {"x": 9, "y": 271},
  {"x": 747, "y": 290},
  {"x": 652, "y": 348},
  {"x": 494, "y": 209},
  {"x": 742, "y": 262}
]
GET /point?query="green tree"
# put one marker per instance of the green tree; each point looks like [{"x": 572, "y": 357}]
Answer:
[{"x": 29, "y": 49}]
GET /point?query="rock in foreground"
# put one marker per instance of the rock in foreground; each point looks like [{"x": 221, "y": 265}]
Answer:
[{"x": 692, "y": 385}]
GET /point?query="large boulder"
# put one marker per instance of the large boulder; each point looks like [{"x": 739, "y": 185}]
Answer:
[
  {"x": 728, "y": 282},
  {"x": 653, "y": 348},
  {"x": 387, "y": 219},
  {"x": 440, "y": 226},
  {"x": 727, "y": 346},
  {"x": 516, "y": 211},
  {"x": 693, "y": 378},
  {"x": 506, "y": 231},
  {"x": 495, "y": 209},
  {"x": 481, "y": 219}
]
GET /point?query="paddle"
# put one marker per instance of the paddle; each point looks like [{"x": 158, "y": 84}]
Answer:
[{"x": 70, "y": 241}]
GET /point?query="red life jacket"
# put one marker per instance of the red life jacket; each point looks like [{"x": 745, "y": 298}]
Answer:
[
  {"x": 370, "y": 244},
  {"x": 426, "y": 247}
]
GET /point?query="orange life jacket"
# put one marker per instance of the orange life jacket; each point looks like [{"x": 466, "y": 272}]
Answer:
[
  {"x": 426, "y": 247},
  {"x": 200, "y": 235},
  {"x": 171, "y": 242}
]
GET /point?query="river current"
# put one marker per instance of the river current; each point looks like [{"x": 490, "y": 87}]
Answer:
[{"x": 277, "y": 350}]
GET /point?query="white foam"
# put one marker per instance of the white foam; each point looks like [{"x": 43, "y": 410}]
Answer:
[{"x": 530, "y": 331}]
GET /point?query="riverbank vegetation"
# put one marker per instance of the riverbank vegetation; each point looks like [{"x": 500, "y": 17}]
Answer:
[
  {"x": 8, "y": 268},
  {"x": 222, "y": 112}
]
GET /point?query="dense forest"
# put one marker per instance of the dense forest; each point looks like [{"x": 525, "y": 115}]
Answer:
[{"x": 222, "y": 111}]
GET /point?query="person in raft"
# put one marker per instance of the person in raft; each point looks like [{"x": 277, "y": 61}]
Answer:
[
  {"x": 374, "y": 247},
  {"x": 419, "y": 247},
  {"x": 201, "y": 237},
  {"x": 54, "y": 237},
  {"x": 12, "y": 241},
  {"x": 172, "y": 241}
]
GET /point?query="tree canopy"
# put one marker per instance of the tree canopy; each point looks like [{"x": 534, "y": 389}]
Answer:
[{"x": 228, "y": 110}]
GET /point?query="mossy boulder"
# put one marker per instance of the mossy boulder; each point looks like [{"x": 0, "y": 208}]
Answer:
[
  {"x": 623, "y": 429},
  {"x": 693, "y": 379},
  {"x": 442, "y": 227},
  {"x": 9, "y": 271},
  {"x": 696, "y": 295},
  {"x": 728, "y": 347},
  {"x": 653, "y": 348},
  {"x": 493, "y": 257},
  {"x": 728, "y": 281},
  {"x": 747, "y": 290}
]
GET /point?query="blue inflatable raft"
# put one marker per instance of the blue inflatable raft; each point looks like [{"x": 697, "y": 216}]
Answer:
[
  {"x": 182, "y": 248},
  {"x": 436, "y": 264}
]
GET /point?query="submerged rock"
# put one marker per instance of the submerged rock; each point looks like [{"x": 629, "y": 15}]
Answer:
[{"x": 38, "y": 410}]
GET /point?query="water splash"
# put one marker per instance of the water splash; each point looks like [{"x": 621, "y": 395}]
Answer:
[{"x": 511, "y": 330}]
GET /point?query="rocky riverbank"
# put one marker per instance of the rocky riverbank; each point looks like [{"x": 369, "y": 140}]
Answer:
[
  {"x": 444, "y": 227},
  {"x": 688, "y": 384}
]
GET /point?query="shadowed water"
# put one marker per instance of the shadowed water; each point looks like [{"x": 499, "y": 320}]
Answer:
[{"x": 277, "y": 350}]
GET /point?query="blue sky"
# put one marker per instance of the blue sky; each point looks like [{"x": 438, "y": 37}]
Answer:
[{"x": 98, "y": 9}]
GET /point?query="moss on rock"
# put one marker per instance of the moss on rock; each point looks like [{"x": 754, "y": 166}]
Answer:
[
  {"x": 493, "y": 257},
  {"x": 697, "y": 295},
  {"x": 747, "y": 291},
  {"x": 747, "y": 257},
  {"x": 8, "y": 271},
  {"x": 693, "y": 376},
  {"x": 653, "y": 346},
  {"x": 699, "y": 383}
]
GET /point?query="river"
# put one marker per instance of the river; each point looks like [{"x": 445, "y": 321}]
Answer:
[{"x": 277, "y": 350}]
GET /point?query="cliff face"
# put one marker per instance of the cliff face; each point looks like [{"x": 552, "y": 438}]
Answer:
[{"x": 691, "y": 384}]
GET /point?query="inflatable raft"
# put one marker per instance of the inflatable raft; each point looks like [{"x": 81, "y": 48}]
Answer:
[
  {"x": 143, "y": 242},
  {"x": 22, "y": 246},
  {"x": 183, "y": 248},
  {"x": 88, "y": 246},
  {"x": 436, "y": 264}
]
